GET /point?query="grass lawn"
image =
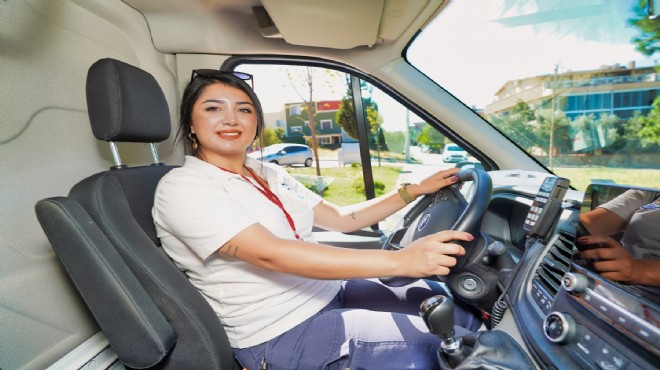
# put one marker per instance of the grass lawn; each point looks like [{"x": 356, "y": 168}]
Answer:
[
  {"x": 581, "y": 176},
  {"x": 345, "y": 185}
]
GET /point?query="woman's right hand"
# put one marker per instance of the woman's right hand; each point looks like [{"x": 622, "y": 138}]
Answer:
[{"x": 432, "y": 254}]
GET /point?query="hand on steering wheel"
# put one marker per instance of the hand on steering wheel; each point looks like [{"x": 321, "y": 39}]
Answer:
[
  {"x": 434, "y": 182},
  {"x": 432, "y": 254},
  {"x": 446, "y": 209}
]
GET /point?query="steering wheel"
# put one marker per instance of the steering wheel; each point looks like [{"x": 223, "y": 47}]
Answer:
[{"x": 474, "y": 277}]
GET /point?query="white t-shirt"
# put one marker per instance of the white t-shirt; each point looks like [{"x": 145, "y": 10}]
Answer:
[
  {"x": 199, "y": 207},
  {"x": 642, "y": 213}
]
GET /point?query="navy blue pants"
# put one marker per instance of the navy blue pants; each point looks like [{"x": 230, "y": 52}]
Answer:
[{"x": 367, "y": 326}]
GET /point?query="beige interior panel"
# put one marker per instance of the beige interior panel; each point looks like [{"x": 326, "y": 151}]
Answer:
[{"x": 46, "y": 48}]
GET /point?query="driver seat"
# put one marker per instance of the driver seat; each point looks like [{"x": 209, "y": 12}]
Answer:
[{"x": 104, "y": 235}]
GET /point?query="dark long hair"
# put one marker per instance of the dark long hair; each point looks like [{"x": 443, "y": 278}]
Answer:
[{"x": 191, "y": 94}]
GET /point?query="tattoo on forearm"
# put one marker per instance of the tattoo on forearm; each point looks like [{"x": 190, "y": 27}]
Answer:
[
  {"x": 353, "y": 215},
  {"x": 229, "y": 251}
]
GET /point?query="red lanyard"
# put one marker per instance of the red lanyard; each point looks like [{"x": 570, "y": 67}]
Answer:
[{"x": 265, "y": 191}]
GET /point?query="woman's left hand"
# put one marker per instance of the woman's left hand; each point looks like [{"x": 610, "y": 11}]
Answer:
[{"x": 434, "y": 182}]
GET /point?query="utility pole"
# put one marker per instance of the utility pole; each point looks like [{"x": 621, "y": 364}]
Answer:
[
  {"x": 555, "y": 79},
  {"x": 406, "y": 135}
]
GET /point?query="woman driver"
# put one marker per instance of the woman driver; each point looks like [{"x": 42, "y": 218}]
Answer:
[{"x": 242, "y": 232}]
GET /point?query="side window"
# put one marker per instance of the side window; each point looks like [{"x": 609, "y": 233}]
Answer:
[
  {"x": 401, "y": 146},
  {"x": 404, "y": 147}
]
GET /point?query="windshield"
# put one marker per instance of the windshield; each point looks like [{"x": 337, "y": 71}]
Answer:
[{"x": 572, "y": 82}]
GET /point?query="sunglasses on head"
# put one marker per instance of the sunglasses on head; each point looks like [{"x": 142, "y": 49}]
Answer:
[{"x": 212, "y": 73}]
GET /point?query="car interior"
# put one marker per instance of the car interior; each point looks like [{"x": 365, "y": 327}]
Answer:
[{"x": 92, "y": 89}]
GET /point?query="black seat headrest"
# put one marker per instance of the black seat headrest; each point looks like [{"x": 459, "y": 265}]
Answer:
[{"x": 126, "y": 103}]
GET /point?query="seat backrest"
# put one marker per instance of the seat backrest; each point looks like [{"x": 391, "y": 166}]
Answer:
[
  {"x": 129, "y": 318},
  {"x": 126, "y": 104}
]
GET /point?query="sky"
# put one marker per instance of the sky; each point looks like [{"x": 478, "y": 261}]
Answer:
[
  {"x": 273, "y": 87},
  {"x": 472, "y": 54}
]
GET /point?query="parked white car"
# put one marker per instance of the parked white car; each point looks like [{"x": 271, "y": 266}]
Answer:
[
  {"x": 453, "y": 153},
  {"x": 285, "y": 154}
]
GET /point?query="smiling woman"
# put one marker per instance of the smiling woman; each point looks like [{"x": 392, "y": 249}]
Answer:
[
  {"x": 265, "y": 258},
  {"x": 220, "y": 117}
]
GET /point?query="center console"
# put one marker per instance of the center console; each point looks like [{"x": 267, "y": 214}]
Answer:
[
  {"x": 592, "y": 317},
  {"x": 570, "y": 316}
]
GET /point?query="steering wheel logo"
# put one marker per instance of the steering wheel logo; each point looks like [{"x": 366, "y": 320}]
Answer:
[{"x": 423, "y": 222}]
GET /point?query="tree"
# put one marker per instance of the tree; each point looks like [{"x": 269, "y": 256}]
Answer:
[
  {"x": 432, "y": 138},
  {"x": 607, "y": 129},
  {"x": 345, "y": 117},
  {"x": 647, "y": 41},
  {"x": 646, "y": 129},
  {"x": 519, "y": 123},
  {"x": 304, "y": 77},
  {"x": 591, "y": 134},
  {"x": 582, "y": 133},
  {"x": 552, "y": 132},
  {"x": 396, "y": 140},
  {"x": 273, "y": 136}
]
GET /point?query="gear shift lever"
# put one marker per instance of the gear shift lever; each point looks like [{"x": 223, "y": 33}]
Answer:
[
  {"x": 438, "y": 314},
  {"x": 490, "y": 349}
]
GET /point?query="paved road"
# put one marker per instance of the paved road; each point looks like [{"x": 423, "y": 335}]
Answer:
[{"x": 411, "y": 172}]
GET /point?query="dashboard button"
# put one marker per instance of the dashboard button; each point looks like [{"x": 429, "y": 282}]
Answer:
[
  {"x": 470, "y": 284},
  {"x": 610, "y": 359},
  {"x": 587, "y": 342}
]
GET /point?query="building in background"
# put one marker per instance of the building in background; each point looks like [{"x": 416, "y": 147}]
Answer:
[
  {"x": 617, "y": 90},
  {"x": 328, "y": 131},
  {"x": 273, "y": 120}
]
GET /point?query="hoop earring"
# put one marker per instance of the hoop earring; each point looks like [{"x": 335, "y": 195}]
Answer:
[{"x": 193, "y": 141}]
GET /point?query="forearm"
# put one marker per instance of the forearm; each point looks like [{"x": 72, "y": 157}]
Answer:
[
  {"x": 351, "y": 218},
  {"x": 601, "y": 221},
  {"x": 357, "y": 216},
  {"x": 259, "y": 247},
  {"x": 427, "y": 256},
  {"x": 327, "y": 262}
]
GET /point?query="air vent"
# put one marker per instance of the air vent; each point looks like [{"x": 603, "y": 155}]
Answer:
[{"x": 555, "y": 264}]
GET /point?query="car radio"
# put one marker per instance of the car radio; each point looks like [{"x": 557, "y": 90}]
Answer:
[{"x": 615, "y": 312}]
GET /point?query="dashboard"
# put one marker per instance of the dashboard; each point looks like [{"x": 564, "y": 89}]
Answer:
[{"x": 569, "y": 316}]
